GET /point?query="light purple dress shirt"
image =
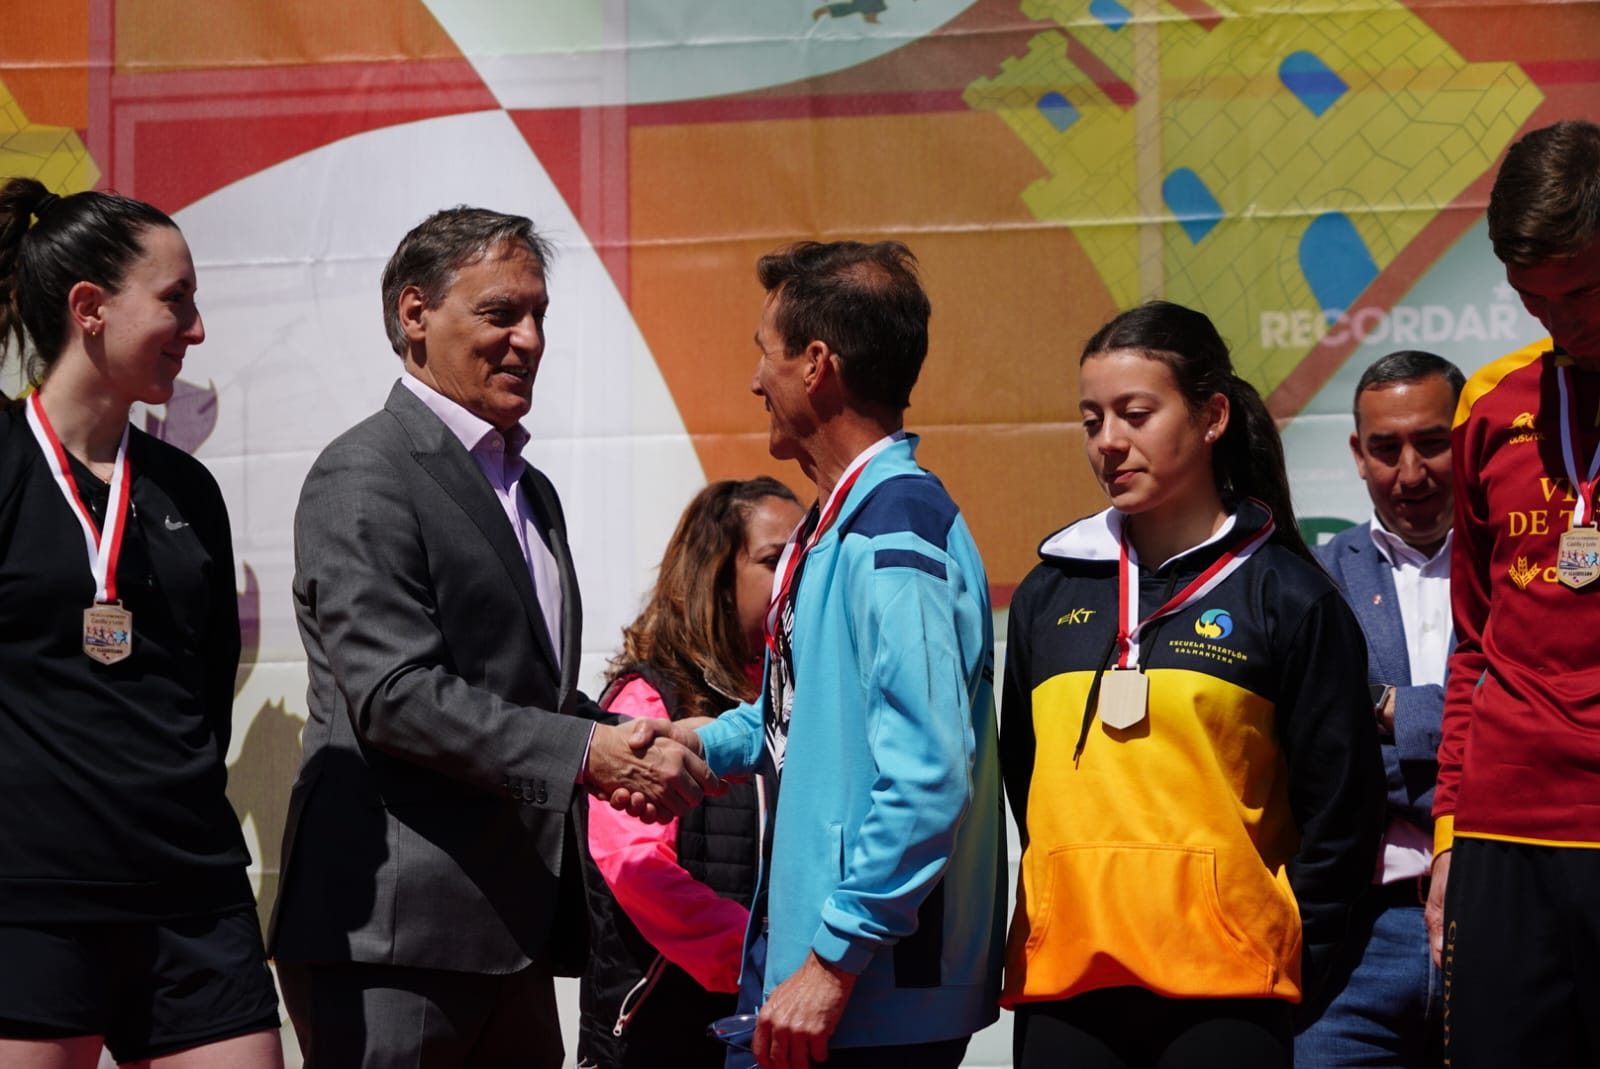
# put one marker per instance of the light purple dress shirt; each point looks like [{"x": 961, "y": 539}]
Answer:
[{"x": 499, "y": 457}]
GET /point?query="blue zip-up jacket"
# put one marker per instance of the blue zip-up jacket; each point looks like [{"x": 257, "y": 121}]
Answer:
[{"x": 888, "y": 851}]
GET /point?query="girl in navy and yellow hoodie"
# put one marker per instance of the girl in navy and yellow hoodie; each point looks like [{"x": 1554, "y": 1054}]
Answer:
[{"x": 1186, "y": 735}]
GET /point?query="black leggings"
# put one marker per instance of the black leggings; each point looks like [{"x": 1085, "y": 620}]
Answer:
[{"x": 1131, "y": 1028}]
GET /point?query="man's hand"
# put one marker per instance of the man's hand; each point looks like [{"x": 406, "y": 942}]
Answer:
[
  {"x": 795, "y": 1024},
  {"x": 658, "y": 781},
  {"x": 645, "y": 730},
  {"x": 641, "y": 733},
  {"x": 1433, "y": 913}
]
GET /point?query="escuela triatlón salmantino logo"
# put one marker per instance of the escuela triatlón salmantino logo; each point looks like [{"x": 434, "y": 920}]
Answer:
[{"x": 1214, "y": 624}]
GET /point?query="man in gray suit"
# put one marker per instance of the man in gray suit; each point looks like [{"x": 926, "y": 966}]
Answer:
[
  {"x": 1382, "y": 1005},
  {"x": 431, "y": 881}
]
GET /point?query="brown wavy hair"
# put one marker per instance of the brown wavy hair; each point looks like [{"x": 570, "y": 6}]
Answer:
[{"x": 689, "y": 630}]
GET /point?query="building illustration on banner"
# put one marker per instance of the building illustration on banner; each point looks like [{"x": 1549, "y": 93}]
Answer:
[{"x": 1291, "y": 168}]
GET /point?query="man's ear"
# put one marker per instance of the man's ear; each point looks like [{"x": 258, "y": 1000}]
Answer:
[
  {"x": 822, "y": 366},
  {"x": 85, "y": 301},
  {"x": 412, "y": 308}
]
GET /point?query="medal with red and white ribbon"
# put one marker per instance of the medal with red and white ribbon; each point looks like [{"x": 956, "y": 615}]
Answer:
[
  {"x": 1578, "y": 549},
  {"x": 107, "y": 626},
  {"x": 1124, "y": 690}
]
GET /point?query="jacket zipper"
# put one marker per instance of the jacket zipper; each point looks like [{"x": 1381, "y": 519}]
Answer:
[
  {"x": 761, "y": 824},
  {"x": 642, "y": 989}
]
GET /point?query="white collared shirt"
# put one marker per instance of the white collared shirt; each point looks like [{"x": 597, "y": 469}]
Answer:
[
  {"x": 1422, "y": 589},
  {"x": 1422, "y": 585},
  {"x": 499, "y": 457}
]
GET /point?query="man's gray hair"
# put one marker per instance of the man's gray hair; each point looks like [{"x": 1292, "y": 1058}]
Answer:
[{"x": 442, "y": 244}]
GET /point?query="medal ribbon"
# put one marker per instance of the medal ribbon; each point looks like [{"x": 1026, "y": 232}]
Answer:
[
  {"x": 1583, "y": 490},
  {"x": 103, "y": 551},
  {"x": 794, "y": 553},
  {"x": 1199, "y": 587}
]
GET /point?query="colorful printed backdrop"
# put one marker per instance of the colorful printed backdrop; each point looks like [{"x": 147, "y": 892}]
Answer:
[{"x": 1312, "y": 175}]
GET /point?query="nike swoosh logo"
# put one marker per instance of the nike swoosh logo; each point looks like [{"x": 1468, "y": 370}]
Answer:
[{"x": 175, "y": 525}]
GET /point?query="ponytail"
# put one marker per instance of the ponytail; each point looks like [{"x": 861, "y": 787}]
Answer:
[
  {"x": 20, "y": 198},
  {"x": 1248, "y": 461}
]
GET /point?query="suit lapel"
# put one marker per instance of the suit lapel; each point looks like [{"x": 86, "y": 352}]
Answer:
[
  {"x": 438, "y": 453},
  {"x": 547, "y": 512},
  {"x": 1371, "y": 584}
]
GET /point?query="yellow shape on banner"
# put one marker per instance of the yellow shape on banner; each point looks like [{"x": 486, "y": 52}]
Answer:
[
  {"x": 54, "y": 155},
  {"x": 1285, "y": 159}
]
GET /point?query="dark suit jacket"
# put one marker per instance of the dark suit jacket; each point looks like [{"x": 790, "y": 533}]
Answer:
[
  {"x": 1410, "y": 758},
  {"x": 429, "y": 823}
]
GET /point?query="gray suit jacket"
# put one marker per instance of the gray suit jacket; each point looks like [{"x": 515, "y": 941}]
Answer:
[
  {"x": 429, "y": 825},
  {"x": 1410, "y": 758}
]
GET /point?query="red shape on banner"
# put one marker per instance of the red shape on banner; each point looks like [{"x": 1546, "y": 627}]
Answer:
[
  {"x": 555, "y": 135},
  {"x": 1199, "y": 12},
  {"x": 172, "y": 138},
  {"x": 585, "y": 153},
  {"x": 1585, "y": 73}
]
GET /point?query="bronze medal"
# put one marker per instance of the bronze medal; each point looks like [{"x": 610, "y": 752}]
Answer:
[
  {"x": 1124, "y": 695},
  {"x": 107, "y": 626},
  {"x": 107, "y": 632},
  {"x": 1578, "y": 556},
  {"x": 1578, "y": 551}
]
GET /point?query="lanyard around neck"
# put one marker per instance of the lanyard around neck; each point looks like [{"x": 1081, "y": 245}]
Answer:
[
  {"x": 1582, "y": 489},
  {"x": 104, "y": 547},
  {"x": 794, "y": 553},
  {"x": 1128, "y": 632}
]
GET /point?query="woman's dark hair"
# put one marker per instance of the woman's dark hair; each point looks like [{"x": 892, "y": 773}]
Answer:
[
  {"x": 1247, "y": 461},
  {"x": 689, "y": 630},
  {"x": 48, "y": 244}
]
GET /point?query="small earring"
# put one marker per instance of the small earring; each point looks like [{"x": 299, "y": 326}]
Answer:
[{"x": 1211, "y": 436}]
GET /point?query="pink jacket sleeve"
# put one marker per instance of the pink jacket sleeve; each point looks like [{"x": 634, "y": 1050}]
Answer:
[{"x": 695, "y": 928}]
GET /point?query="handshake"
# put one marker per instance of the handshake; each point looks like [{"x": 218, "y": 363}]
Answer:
[{"x": 652, "y": 769}]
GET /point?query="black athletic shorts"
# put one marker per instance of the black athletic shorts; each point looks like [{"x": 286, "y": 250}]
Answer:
[{"x": 148, "y": 987}]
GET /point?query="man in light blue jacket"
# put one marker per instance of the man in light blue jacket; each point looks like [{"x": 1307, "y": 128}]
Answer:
[{"x": 884, "y": 874}]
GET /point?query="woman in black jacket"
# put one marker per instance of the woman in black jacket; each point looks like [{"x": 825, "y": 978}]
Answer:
[
  {"x": 126, "y": 917},
  {"x": 1186, "y": 736}
]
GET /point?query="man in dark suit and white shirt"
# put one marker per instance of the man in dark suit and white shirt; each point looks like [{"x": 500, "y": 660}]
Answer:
[
  {"x": 431, "y": 885},
  {"x": 1395, "y": 572}
]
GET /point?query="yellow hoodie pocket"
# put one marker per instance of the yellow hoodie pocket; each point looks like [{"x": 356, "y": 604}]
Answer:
[{"x": 1139, "y": 914}]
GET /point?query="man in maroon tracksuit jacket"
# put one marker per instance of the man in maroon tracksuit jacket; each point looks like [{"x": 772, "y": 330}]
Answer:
[{"x": 1517, "y": 808}]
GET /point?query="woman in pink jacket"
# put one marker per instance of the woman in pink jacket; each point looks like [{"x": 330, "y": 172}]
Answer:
[{"x": 669, "y": 903}]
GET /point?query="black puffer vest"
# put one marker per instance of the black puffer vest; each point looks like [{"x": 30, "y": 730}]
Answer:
[{"x": 638, "y": 1009}]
